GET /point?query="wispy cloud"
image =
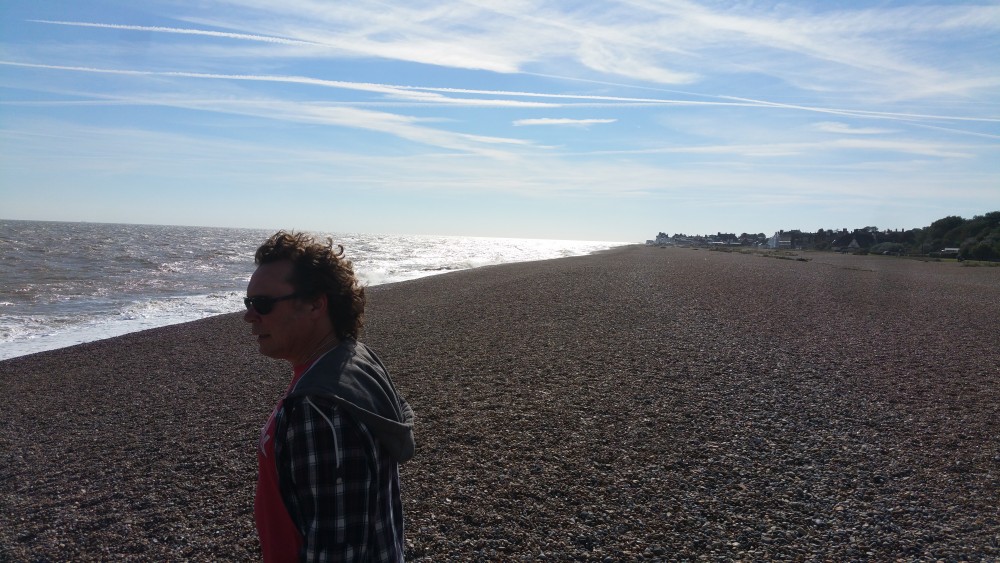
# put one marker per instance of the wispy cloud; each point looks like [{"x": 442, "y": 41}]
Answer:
[
  {"x": 937, "y": 150},
  {"x": 783, "y": 103},
  {"x": 434, "y": 95},
  {"x": 800, "y": 149},
  {"x": 182, "y": 31},
  {"x": 666, "y": 42},
  {"x": 846, "y": 129},
  {"x": 850, "y": 39},
  {"x": 425, "y": 95},
  {"x": 868, "y": 113},
  {"x": 562, "y": 121},
  {"x": 401, "y": 126}
]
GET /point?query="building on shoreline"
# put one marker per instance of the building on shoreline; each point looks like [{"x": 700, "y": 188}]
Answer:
[{"x": 951, "y": 237}]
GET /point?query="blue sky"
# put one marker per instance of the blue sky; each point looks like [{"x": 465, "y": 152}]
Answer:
[{"x": 609, "y": 120}]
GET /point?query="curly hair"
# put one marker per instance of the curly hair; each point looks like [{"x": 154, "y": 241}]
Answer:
[{"x": 319, "y": 268}]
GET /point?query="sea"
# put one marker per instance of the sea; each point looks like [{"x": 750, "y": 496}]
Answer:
[{"x": 68, "y": 283}]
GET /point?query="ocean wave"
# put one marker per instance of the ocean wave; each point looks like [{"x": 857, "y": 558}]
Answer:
[{"x": 92, "y": 281}]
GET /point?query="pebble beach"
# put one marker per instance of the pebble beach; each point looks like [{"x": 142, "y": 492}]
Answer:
[{"x": 637, "y": 404}]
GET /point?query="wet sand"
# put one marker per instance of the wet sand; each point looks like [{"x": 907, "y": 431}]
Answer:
[{"x": 641, "y": 403}]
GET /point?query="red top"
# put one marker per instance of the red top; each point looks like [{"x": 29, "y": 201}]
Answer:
[{"x": 280, "y": 540}]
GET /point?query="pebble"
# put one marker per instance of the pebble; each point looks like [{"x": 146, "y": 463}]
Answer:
[{"x": 644, "y": 403}]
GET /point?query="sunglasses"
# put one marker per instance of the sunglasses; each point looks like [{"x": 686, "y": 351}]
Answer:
[{"x": 264, "y": 305}]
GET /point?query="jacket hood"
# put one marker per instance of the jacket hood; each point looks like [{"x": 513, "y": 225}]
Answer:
[{"x": 354, "y": 377}]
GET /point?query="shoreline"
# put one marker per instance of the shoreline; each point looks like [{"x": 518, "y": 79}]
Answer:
[
  {"x": 634, "y": 403},
  {"x": 72, "y": 336}
]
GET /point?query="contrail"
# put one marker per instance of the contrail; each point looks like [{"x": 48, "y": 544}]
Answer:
[
  {"x": 382, "y": 88},
  {"x": 750, "y": 102},
  {"x": 428, "y": 94},
  {"x": 572, "y": 96},
  {"x": 398, "y": 90},
  {"x": 422, "y": 93},
  {"x": 863, "y": 113},
  {"x": 426, "y": 97},
  {"x": 432, "y": 95},
  {"x": 157, "y": 29}
]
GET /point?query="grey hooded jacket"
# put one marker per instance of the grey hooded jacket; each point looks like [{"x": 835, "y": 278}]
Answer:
[{"x": 352, "y": 376}]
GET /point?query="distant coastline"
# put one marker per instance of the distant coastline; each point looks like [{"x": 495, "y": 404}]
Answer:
[{"x": 950, "y": 237}]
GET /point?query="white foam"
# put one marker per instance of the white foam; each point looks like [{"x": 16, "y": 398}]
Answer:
[
  {"x": 98, "y": 308},
  {"x": 29, "y": 338}
]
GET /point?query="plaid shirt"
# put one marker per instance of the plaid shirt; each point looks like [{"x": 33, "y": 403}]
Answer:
[{"x": 340, "y": 486}]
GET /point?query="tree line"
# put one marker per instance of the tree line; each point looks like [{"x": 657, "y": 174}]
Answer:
[{"x": 973, "y": 239}]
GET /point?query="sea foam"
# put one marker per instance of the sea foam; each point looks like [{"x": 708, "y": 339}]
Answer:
[{"x": 67, "y": 283}]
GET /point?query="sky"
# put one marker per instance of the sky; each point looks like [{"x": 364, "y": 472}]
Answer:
[{"x": 606, "y": 121}]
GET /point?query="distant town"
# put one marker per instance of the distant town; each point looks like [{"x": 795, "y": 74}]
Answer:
[{"x": 950, "y": 237}]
